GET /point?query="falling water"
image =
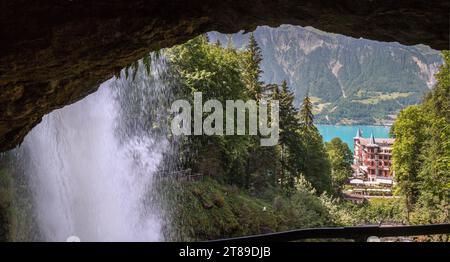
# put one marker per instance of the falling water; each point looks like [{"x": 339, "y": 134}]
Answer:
[{"x": 91, "y": 164}]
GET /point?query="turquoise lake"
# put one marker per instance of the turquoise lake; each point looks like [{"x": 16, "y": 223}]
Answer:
[{"x": 346, "y": 133}]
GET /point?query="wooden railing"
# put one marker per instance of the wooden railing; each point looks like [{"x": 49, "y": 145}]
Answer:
[{"x": 359, "y": 233}]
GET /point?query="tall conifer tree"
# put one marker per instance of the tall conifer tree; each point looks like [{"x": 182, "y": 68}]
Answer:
[
  {"x": 306, "y": 112},
  {"x": 252, "y": 70}
]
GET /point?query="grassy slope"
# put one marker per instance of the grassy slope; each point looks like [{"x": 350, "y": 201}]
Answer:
[{"x": 209, "y": 210}]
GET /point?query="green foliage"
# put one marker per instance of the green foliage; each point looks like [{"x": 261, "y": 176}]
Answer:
[
  {"x": 224, "y": 73},
  {"x": 379, "y": 211},
  {"x": 199, "y": 217},
  {"x": 133, "y": 68},
  {"x": 317, "y": 167},
  {"x": 285, "y": 180},
  {"x": 252, "y": 59},
  {"x": 409, "y": 134},
  {"x": 246, "y": 176},
  {"x": 340, "y": 157},
  {"x": 421, "y": 154},
  {"x": 290, "y": 143},
  {"x": 216, "y": 72},
  {"x": 306, "y": 112},
  {"x": 438, "y": 99}
]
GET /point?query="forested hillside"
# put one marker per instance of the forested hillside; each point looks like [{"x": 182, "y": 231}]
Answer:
[
  {"x": 249, "y": 189},
  {"x": 349, "y": 80},
  {"x": 421, "y": 153}
]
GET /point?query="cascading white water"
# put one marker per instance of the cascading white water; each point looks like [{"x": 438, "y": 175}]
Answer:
[{"x": 88, "y": 179}]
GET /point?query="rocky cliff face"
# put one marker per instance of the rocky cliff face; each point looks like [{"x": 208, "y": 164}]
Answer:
[
  {"x": 54, "y": 53},
  {"x": 350, "y": 80}
]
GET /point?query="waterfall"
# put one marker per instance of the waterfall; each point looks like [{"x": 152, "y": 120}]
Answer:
[{"x": 91, "y": 165}]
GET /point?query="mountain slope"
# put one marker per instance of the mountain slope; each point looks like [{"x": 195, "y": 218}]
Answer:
[{"x": 350, "y": 80}]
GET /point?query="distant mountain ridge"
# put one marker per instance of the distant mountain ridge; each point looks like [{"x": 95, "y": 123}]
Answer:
[{"x": 351, "y": 81}]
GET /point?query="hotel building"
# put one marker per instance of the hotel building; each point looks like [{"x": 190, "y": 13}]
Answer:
[{"x": 373, "y": 159}]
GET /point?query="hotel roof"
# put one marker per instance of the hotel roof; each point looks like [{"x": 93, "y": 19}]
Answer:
[{"x": 378, "y": 141}]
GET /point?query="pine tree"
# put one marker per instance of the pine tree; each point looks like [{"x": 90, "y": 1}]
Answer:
[
  {"x": 288, "y": 113},
  {"x": 291, "y": 149},
  {"x": 317, "y": 168},
  {"x": 252, "y": 70},
  {"x": 306, "y": 112}
]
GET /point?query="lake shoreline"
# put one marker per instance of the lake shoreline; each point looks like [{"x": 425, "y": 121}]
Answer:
[
  {"x": 354, "y": 125},
  {"x": 347, "y": 132}
]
